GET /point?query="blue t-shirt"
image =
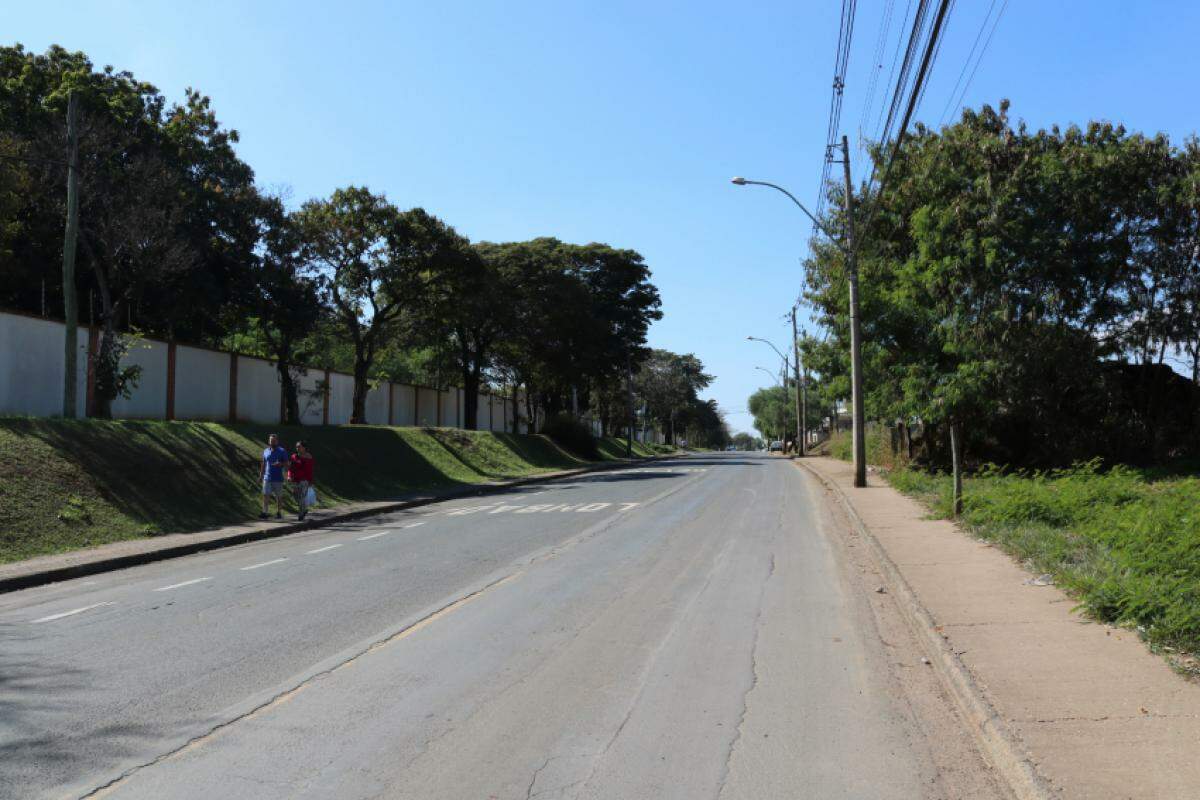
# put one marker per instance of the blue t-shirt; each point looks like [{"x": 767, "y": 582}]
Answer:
[{"x": 275, "y": 470}]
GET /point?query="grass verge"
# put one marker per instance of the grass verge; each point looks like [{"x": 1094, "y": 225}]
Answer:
[
  {"x": 1125, "y": 542},
  {"x": 67, "y": 484}
]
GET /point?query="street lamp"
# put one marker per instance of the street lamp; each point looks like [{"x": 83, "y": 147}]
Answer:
[
  {"x": 847, "y": 248},
  {"x": 774, "y": 377},
  {"x": 800, "y": 426}
]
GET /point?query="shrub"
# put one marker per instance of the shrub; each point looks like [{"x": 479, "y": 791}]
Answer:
[{"x": 572, "y": 435}]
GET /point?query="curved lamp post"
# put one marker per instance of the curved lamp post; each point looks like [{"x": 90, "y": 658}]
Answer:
[{"x": 846, "y": 246}]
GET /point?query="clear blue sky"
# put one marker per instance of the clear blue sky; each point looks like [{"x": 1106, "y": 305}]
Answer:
[{"x": 618, "y": 122}]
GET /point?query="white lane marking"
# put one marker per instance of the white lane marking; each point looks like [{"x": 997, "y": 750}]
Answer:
[
  {"x": 322, "y": 549},
  {"x": 185, "y": 583},
  {"x": 72, "y": 612},
  {"x": 373, "y": 535},
  {"x": 264, "y": 564},
  {"x": 593, "y": 507},
  {"x": 534, "y": 508},
  {"x": 502, "y": 509},
  {"x": 414, "y": 525},
  {"x": 628, "y": 506}
]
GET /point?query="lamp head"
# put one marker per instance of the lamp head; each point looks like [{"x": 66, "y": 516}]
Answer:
[{"x": 738, "y": 181}]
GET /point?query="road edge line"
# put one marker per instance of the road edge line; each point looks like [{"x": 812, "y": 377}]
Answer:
[{"x": 992, "y": 733}]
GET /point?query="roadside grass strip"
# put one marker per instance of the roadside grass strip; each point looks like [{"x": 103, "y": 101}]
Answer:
[{"x": 1124, "y": 541}]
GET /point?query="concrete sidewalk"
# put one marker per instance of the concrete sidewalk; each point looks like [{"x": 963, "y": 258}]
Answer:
[
  {"x": 120, "y": 555},
  {"x": 1077, "y": 709}
]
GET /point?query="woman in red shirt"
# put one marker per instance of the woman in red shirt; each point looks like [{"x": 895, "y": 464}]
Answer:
[{"x": 300, "y": 475}]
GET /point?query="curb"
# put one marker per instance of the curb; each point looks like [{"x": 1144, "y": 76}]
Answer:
[
  {"x": 56, "y": 574},
  {"x": 999, "y": 743}
]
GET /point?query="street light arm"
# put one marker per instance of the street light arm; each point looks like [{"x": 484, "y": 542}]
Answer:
[
  {"x": 792, "y": 197},
  {"x": 786, "y": 360}
]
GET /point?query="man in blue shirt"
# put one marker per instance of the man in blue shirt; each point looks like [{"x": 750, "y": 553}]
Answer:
[{"x": 274, "y": 461}]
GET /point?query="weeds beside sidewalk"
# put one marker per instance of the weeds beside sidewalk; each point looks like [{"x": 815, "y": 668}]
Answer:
[{"x": 1125, "y": 542}]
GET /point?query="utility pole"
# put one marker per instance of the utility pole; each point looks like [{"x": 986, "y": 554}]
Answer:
[
  {"x": 801, "y": 405},
  {"x": 629, "y": 402},
  {"x": 70, "y": 302},
  {"x": 856, "y": 393}
]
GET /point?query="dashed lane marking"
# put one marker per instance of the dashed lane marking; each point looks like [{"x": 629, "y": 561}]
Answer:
[
  {"x": 264, "y": 564},
  {"x": 414, "y": 525},
  {"x": 322, "y": 549},
  {"x": 71, "y": 613},
  {"x": 373, "y": 535},
  {"x": 185, "y": 583}
]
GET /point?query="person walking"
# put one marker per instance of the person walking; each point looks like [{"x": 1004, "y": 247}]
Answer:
[
  {"x": 300, "y": 474},
  {"x": 274, "y": 458}
]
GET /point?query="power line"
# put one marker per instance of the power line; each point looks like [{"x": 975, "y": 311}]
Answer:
[
  {"x": 971, "y": 54},
  {"x": 979, "y": 60},
  {"x": 840, "y": 63},
  {"x": 914, "y": 97}
]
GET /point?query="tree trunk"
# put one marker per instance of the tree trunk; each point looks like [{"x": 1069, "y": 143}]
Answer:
[
  {"x": 107, "y": 365},
  {"x": 291, "y": 402},
  {"x": 471, "y": 380},
  {"x": 956, "y": 463},
  {"x": 363, "y": 355}
]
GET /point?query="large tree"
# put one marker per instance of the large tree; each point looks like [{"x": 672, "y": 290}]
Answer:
[{"x": 375, "y": 265}]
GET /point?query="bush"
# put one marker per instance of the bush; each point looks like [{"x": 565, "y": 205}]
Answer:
[{"x": 572, "y": 435}]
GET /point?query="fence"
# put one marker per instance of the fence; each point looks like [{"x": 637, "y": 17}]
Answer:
[{"x": 184, "y": 382}]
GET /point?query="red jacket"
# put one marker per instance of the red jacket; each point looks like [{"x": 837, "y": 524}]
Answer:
[{"x": 301, "y": 468}]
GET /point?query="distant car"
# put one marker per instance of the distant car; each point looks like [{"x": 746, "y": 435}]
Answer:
[{"x": 776, "y": 445}]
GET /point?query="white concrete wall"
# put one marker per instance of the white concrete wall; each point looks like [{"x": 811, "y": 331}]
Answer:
[
  {"x": 484, "y": 414},
  {"x": 258, "y": 391},
  {"x": 402, "y": 405},
  {"x": 31, "y": 367},
  {"x": 451, "y": 414},
  {"x": 341, "y": 398},
  {"x": 149, "y": 399},
  {"x": 312, "y": 402},
  {"x": 377, "y": 405},
  {"x": 201, "y": 384},
  {"x": 31, "y": 383},
  {"x": 427, "y": 408}
]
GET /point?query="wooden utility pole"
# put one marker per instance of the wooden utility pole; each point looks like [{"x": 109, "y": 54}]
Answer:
[
  {"x": 801, "y": 405},
  {"x": 70, "y": 302},
  {"x": 856, "y": 393}
]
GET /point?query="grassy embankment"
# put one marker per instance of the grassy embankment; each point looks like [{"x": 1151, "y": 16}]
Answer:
[
  {"x": 1125, "y": 542},
  {"x": 66, "y": 485}
]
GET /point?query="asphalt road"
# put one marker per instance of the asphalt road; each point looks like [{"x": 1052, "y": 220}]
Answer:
[{"x": 688, "y": 629}]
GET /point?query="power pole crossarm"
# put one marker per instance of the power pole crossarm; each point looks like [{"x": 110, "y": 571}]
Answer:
[{"x": 856, "y": 390}]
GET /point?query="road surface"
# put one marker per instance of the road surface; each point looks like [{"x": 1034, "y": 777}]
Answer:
[{"x": 694, "y": 628}]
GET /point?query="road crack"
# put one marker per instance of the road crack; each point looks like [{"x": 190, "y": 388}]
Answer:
[
  {"x": 202, "y": 738},
  {"x": 754, "y": 677}
]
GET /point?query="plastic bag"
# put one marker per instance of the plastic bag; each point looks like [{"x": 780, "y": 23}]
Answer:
[{"x": 310, "y": 499}]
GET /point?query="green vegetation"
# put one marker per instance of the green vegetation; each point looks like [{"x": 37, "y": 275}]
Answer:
[
  {"x": 66, "y": 485},
  {"x": 1125, "y": 542}
]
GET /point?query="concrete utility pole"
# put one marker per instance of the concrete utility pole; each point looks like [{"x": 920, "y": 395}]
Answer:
[
  {"x": 70, "y": 302},
  {"x": 629, "y": 401},
  {"x": 856, "y": 396},
  {"x": 801, "y": 405}
]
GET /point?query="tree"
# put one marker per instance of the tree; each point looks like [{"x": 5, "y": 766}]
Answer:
[
  {"x": 283, "y": 301},
  {"x": 667, "y": 383},
  {"x": 374, "y": 264}
]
